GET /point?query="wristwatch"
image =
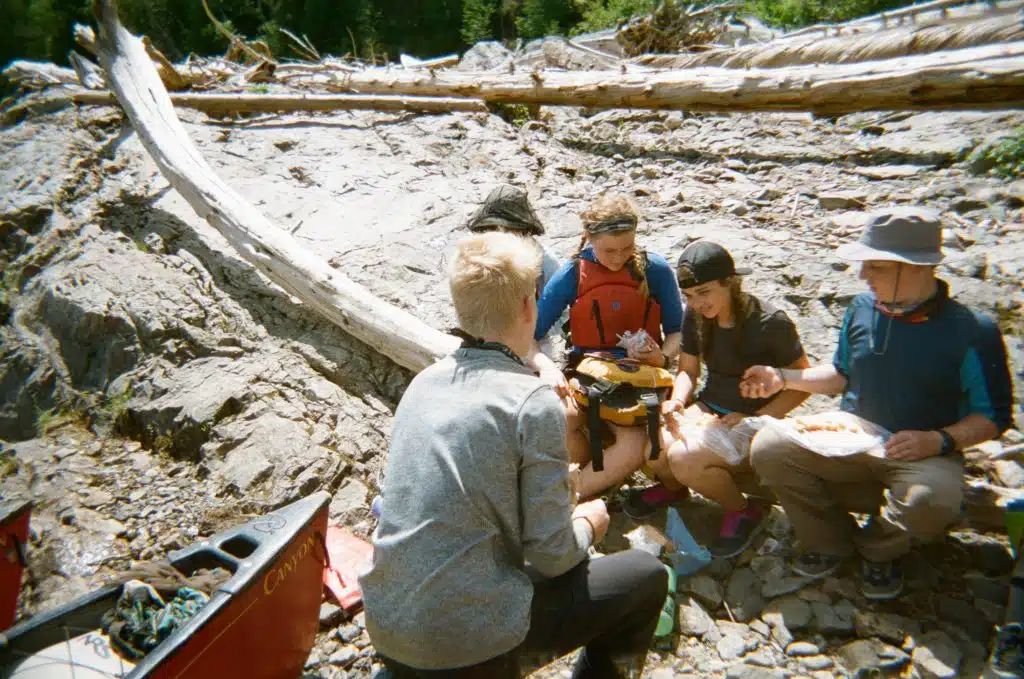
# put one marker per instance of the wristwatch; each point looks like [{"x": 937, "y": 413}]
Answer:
[{"x": 948, "y": 443}]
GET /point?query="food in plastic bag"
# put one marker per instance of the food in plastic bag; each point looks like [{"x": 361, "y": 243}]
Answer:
[
  {"x": 634, "y": 342},
  {"x": 832, "y": 434},
  {"x": 702, "y": 430}
]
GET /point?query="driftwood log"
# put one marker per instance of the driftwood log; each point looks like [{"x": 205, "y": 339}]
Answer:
[
  {"x": 936, "y": 10},
  {"x": 974, "y": 78},
  {"x": 387, "y": 329},
  {"x": 997, "y": 27},
  {"x": 218, "y": 104}
]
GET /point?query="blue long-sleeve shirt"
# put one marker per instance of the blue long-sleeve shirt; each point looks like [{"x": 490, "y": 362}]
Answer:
[
  {"x": 925, "y": 374},
  {"x": 560, "y": 292}
]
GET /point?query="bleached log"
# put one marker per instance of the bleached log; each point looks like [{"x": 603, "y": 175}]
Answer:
[
  {"x": 38, "y": 74},
  {"x": 217, "y": 104},
  {"x": 989, "y": 77},
  {"x": 89, "y": 74},
  {"x": 936, "y": 10},
  {"x": 897, "y": 42},
  {"x": 384, "y": 327},
  {"x": 437, "y": 62}
]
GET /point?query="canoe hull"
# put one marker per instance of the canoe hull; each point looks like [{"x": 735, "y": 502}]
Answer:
[
  {"x": 14, "y": 518},
  {"x": 260, "y": 624}
]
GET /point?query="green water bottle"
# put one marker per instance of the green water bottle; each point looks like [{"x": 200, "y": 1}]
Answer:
[
  {"x": 667, "y": 617},
  {"x": 1015, "y": 524}
]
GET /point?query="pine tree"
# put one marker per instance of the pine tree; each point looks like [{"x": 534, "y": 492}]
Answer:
[{"x": 477, "y": 20}]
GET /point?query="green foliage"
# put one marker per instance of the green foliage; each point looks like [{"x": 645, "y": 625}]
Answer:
[
  {"x": 477, "y": 20},
  {"x": 538, "y": 18},
  {"x": 1007, "y": 157},
  {"x": 601, "y": 14},
  {"x": 797, "y": 13}
]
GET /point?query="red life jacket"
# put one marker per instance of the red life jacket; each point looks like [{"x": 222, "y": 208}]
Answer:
[{"x": 609, "y": 303}]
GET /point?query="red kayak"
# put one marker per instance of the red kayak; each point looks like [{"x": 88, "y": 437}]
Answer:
[
  {"x": 260, "y": 624},
  {"x": 14, "y": 518}
]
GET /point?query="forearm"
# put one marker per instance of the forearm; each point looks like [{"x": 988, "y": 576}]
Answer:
[
  {"x": 821, "y": 379},
  {"x": 537, "y": 359},
  {"x": 783, "y": 403},
  {"x": 972, "y": 430},
  {"x": 682, "y": 388},
  {"x": 670, "y": 348}
]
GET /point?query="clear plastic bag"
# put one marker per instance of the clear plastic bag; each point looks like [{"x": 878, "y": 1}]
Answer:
[
  {"x": 730, "y": 444},
  {"x": 832, "y": 434}
]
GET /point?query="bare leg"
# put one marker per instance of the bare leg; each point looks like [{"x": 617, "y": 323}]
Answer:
[
  {"x": 576, "y": 441},
  {"x": 661, "y": 467},
  {"x": 621, "y": 459},
  {"x": 707, "y": 473}
]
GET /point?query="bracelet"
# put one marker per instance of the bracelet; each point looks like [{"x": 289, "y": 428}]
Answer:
[{"x": 593, "y": 531}]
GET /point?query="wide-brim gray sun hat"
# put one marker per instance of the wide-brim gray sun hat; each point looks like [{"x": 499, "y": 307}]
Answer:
[{"x": 902, "y": 234}]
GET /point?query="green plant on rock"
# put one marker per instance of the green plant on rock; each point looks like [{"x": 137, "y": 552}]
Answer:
[
  {"x": 1007, "y": 157},
  {"x": 55, "y": 418}
]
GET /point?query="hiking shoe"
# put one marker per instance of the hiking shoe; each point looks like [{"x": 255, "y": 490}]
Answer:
[
  {"x": 738, "y": 530},
  {"x": 641, "y": 503},
  {"x": 814, "y": 565},
  {"x": 881, "y": 580},
  {"x": 1007, "y": 659}
]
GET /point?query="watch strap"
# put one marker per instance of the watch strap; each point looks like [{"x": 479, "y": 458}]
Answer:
[{"x": 948, "y": 443}]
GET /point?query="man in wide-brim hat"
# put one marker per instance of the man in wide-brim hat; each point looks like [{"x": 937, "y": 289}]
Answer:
[{"x": 913, "y": 361}]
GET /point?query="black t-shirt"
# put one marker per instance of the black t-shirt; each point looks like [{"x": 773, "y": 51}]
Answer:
[{"x": 767, "y": 337}]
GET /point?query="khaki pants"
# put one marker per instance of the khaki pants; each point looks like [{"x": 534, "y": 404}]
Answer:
[{"x": 907, "y": 500}]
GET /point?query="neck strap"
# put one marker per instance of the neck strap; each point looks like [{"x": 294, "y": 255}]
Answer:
[{"x": 471, "y": 342}]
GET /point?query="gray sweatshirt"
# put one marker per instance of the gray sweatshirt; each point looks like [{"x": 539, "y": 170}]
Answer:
[{"x": 476, "y": 484}]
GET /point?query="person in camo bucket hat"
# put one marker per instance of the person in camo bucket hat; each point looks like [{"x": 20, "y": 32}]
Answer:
[
  {"x": 920, "y": 364},
  {"x": 506, "y": 208}
]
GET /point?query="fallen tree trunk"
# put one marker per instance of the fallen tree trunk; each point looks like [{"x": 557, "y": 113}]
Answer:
[
  {"x": 937, "y": 10},
  {"x": 898, "y": 42},
  {"x": 386, "y": 328},
  {"x": 973, "y": 78},
  {"x": 222, "y": 104}
]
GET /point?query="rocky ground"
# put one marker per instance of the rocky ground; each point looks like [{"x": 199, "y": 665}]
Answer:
[{"x": 154, "y": 387}]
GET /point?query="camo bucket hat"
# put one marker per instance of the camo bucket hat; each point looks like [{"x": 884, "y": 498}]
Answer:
[{"x": 506, "y": 207}]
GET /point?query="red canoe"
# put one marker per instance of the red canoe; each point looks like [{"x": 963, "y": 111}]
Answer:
[
  {"x": 260, "y": 624},
  {"x": 14, "y": 518}
]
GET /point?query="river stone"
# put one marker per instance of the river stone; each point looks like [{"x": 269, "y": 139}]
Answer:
[
  {"x": 791, "y": 611},
  {"x": 842, "y": 200},
  {"x": 731, "y": 647},
  {"x": 888, "y": 626},
  {"x": 868, "y": 654},
  {"x": 747, "y": 671},
  {"x": 776, "y": 587},
  {"x": 743, "y": 595},
  {"x": 817, "y": 662},
  {"x": 936, "y": 656},
  {"x": 802, "y": 648},
  {"x": 706, "y": 589},
  {"x": 692, "y": 618},
  {"x": 836, "y": 619}
]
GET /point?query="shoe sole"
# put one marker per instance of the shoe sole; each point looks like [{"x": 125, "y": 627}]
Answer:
[
  {"x": 815, "y": 576},
  {"x": 884, "y": 596},
  {"x": 736, "y": 552}
]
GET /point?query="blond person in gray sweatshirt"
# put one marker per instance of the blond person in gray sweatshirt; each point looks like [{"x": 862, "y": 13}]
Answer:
[{"x": 480, "y": 565}]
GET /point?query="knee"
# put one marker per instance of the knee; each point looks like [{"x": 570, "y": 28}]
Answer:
[
  {"x": 929, "y": 508},
  {"x": 649, "y": 577},
  {"x": 685, "y": 463},
  {"x": 769, "y": 454}
]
